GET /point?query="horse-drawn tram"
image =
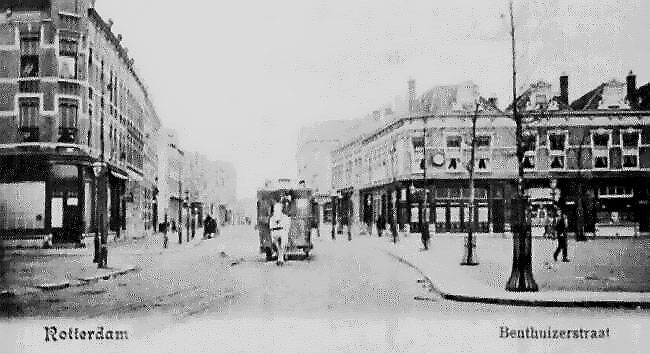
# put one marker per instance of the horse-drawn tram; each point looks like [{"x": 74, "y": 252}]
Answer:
[{"x": 284, "y": 208}]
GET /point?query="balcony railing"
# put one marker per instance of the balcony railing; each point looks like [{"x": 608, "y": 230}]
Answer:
[
  {"x": 29, "y": 85},
  {"x": 67, "y": 135},
  {"x": 29, "y": 134}
]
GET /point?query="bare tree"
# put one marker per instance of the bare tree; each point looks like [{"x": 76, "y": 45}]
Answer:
[{"x": 521, "y": 277}]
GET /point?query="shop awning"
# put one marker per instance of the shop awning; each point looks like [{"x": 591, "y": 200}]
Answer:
[{"x": 119, "y": 175}]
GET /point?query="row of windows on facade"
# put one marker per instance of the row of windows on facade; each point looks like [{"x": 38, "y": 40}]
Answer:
[
  {"x": 601, "y": 143},
  {"x": 29, "y": 56},
  {"x": 30, "y": 44}
]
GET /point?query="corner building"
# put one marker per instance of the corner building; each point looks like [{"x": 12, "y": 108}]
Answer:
[
  {"x": 592, "y": 157},
  {"x": 69, "y": 96}
]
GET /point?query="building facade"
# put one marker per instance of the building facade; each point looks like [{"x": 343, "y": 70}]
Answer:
[
  {"x": 70, "y": 97},
  {"x": 591, "y": 158},
  {"x": 170, "y": 177}
]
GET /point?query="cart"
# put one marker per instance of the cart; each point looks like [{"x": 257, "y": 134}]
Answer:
[{"x": 300, "y": 213}]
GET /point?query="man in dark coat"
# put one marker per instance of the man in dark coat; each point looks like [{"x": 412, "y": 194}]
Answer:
[
  {"x": 561, "y": 231},
  {"x": 207, "y": 223}
]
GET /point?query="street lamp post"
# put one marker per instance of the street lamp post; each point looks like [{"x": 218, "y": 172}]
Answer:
[
  {"x": 333, "y": 195},
  {"x": 180, "y": 202},
  {"x": 424, "y": 221},
  {"x": 521, "y": 278},
  {"x": 187, "y": 215},
  {"x": 469, "y": 258},
  {"x": 412, "y": 196},
  {"x": 98, "y": 169}
]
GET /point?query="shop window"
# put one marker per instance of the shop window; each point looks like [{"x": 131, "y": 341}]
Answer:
[
  {"x": 630, "y": 142},
  {"x": 28, "y": 119},
  {"x": 600, "y": 144},
  {"x": 615, "y": 191}
]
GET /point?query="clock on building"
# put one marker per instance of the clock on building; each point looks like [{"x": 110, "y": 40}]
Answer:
[{"x": 438, "y": 160}]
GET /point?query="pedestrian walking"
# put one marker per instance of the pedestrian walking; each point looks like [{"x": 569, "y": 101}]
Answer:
[
  {"x": 193, "y": 226},
  {"x": 381, "y": 223},
  {"x": 164, "y": 228},
  {"x": 561, "y": 225}
]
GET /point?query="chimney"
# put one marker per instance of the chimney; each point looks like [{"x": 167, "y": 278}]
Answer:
[
  {"x": 119, "y": 37},
  {"x": 631, "y": 90},
  {"x": 564, "y": 90},
  {"x": 110, "y": 23},
  {"x": 411, "y": 95}
]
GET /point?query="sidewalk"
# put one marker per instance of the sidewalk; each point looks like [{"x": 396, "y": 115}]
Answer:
[
  {"x": 602, "y": 273},
  {"x": 31, "y": 269}
]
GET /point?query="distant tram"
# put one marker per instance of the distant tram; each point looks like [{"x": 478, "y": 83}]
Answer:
[{"x": 299, "y": 202}]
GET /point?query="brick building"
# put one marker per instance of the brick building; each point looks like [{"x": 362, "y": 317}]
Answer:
[
  {"x": 69, "y": 96},
  {"x": 594, "y": 153}
]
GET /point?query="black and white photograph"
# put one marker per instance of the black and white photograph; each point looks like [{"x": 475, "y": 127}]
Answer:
[{"x": 324, "y": 176}]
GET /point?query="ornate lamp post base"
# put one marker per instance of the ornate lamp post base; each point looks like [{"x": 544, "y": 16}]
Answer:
[{"x": 521, "y": 278}]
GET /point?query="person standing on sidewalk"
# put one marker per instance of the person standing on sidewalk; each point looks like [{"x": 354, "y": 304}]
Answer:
[
  {"x": 207, "y": 226},
  {"x": 193, "y": 226},
  {"x": 561, "y": 225}
]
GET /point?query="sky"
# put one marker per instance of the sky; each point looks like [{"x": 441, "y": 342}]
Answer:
[{"x": 237, "y": 79}]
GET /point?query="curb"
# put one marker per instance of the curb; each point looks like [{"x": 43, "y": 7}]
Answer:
[
  {"x": 613, "y": 304},
  {"x": 11, "y": 293},
  {"x": 107, "y": 276},
  {"x": 54, "y": 286}
]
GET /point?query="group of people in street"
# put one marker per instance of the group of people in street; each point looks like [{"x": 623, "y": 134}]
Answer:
[{"x": 210, "y": 228}]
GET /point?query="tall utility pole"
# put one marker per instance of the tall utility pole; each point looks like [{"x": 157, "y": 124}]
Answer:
[
  {"x": 101, "y": 251},
  {"x": 395, "y": 190},
  {"x": 180, "y": 202},
  {"x": 469, "y": 251},
  {"x": 521, "y": 278}
]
